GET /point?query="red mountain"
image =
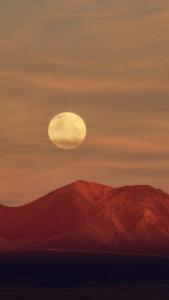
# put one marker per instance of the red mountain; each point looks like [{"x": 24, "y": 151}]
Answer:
[{"x": 91, "y": 217}]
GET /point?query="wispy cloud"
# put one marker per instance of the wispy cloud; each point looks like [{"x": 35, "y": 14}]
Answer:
[
  {"x": 130, "y": 145},
  {"x": 87, "y": 85}
]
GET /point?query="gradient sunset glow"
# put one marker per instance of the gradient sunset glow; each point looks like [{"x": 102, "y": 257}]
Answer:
[{"x": 106, "y": 61}]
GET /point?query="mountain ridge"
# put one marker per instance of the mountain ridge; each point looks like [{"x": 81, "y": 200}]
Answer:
[{"x": 90, "y": 216}]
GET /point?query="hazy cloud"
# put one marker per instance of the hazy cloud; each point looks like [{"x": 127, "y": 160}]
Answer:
[{"x": 105, "y": 60}]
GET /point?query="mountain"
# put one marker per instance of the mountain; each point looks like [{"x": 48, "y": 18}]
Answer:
[{"x": 85, "y": 216}]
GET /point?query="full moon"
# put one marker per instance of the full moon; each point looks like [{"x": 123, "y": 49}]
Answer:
[{"x": 67, "y": 130}]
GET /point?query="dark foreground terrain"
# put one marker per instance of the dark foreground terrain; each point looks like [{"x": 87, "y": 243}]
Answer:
[{"x": 51, "y": 275}]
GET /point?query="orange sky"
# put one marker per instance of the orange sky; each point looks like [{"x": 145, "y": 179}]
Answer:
[{"x": 106, "y": 61}]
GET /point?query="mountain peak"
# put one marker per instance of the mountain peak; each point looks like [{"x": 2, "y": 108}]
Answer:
[
  {"x": 141, "y": 190},
  {"x": 84, "y": 183},
  {"x": 141, "y": 187}
]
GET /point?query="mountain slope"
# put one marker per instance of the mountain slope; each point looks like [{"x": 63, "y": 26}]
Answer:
[{"x": 93, "y": 217}]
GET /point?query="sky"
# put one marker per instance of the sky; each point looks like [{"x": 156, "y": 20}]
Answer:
[{"x": 106, "y": 60}]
